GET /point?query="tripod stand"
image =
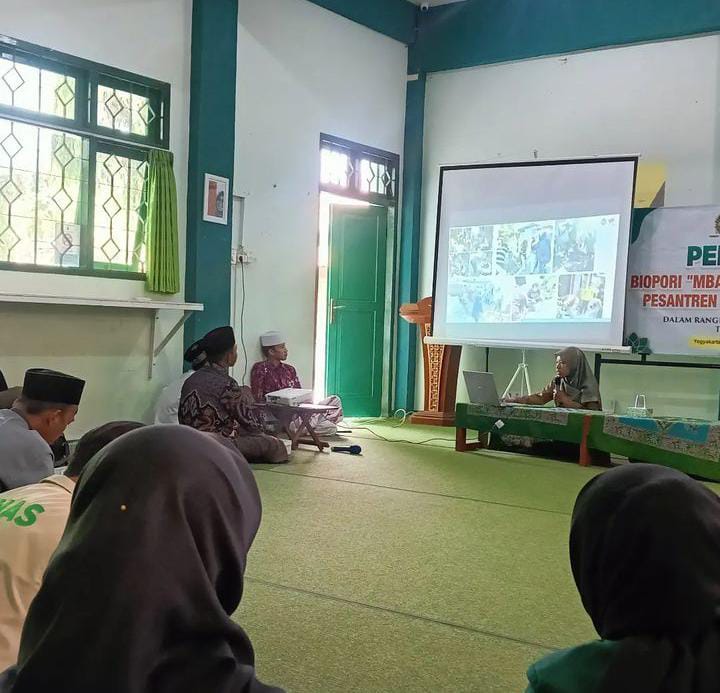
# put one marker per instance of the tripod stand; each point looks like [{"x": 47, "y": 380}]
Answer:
[{"x": 521, "y": 373}]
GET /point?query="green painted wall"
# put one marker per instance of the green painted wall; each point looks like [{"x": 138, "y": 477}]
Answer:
[
  {"x": 410, "y": 230},
  {"x": 479, "y": 32},
  {"x": 394, "y": 18},
  {"x": 212, "y": 150}
]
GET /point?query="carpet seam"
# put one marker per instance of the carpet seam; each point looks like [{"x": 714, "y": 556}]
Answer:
[
  {"x": 405, "y": 614},
  {"x": 422, "y": 493}
]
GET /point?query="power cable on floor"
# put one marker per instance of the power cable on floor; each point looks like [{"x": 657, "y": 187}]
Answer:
[
  {"x": 401, "y": 414},
  {"x": 395, "y": 440}
]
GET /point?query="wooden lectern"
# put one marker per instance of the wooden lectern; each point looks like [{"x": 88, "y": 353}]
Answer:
[{"x": 441, "y": 364}]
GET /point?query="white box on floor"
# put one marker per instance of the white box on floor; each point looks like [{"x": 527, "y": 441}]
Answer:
[{"x": 290, "y": 396}]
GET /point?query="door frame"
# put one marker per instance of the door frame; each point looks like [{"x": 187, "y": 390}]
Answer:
[{"x": 390, "y": 201}]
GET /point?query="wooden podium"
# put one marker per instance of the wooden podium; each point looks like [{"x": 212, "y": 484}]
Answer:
[{"x": 441, "y": 364}]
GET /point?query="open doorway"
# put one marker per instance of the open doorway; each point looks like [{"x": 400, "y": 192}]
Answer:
[{"x": 355, "y": 280}]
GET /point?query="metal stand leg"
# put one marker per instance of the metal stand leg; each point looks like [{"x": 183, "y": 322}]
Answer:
[{"x": 520, "y": 372}]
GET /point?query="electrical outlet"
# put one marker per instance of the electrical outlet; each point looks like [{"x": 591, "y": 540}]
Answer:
[
  {"x": 244, "y": 256},
  {"x": 241, "y": 256}
]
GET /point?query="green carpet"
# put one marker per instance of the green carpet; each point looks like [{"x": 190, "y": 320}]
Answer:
[{"x": 411, "y": 568}]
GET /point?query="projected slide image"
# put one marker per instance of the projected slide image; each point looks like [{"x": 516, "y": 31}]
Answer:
[
  {"x": 535, "y": 298},
  {"x": 534, "y": 271},
  {"x": 471, "y": 251},
  {"x": 524, "y": 248},
  {"x": 581, "y": 296},
  {"x": 466, "y": 265},
  {"x": 483, "y": 302},
  {"x": 576, "y": 241}
]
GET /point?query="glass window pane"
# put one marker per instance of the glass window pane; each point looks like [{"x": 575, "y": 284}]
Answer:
[
  {"x": 57, "y": 94},
  {"x": 119, "y": 240},
  {"x": 34, "y": 89},
  {"x": 377, "y": 177},
  {"x": 43, "y": 184},
  {"x": 125, "y": 112}
]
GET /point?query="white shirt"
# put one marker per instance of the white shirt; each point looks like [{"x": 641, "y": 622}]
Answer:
[
  {"x": 25, "y": 457},
  {"x": 166, "y": 410},
  {"x": 32, "y": 520}
]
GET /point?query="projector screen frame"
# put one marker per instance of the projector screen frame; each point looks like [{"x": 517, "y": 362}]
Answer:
[{"x": 634, "y": 158}]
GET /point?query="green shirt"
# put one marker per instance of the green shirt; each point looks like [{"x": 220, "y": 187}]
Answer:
[{"x": 577, "y": 670}]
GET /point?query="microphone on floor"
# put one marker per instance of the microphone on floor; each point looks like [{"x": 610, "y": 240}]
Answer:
[{"x": 349, "y": 449}]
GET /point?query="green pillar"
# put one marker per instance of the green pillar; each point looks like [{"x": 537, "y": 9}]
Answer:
[
  {"x": 211, "y": 150},
  {"x": 411, "y": 209}
]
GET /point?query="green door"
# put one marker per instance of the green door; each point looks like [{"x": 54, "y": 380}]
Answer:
[{"x": 356, "y": 305}]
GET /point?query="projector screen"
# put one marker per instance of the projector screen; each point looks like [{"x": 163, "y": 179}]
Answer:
[{"x": 533, "y": 252}]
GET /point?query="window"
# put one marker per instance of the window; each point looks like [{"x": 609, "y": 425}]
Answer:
[
  {"x": 74, "y": 139},
  {"x": 352, "y": 170}
]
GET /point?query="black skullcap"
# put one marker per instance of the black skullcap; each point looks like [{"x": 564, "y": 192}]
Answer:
[
  {"x": 216, "y": 342},
  {"x": 44, "y": 385},
  {"x": 195, "y": 352},
  {"x": 219, "y": 341}
]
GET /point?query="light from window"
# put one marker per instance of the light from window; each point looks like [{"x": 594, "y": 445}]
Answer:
[
  {"x": 336, "y": 168},
  {"x": 125, "y": 112},
  {"x": 120, "y": 210},
  {"x": 35, "y": 89},
  {"x": 346, "y": 168},
  {"x": 43, "y": 181}
]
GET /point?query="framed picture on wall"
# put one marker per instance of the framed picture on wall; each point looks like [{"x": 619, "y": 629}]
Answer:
[{"x": 216, "y": 199}]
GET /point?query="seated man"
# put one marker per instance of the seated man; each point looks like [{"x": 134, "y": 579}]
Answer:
[
  {"x": 166, "y": 409},
  {"x": 168, "y": 404},
  {"x": 213, "y": 402},
  {"x": 47, "y": 405},
  {"x": 32, "y": 520},
  {"x": 274, "y": 374},
  {"x": 60, "y": 448}
]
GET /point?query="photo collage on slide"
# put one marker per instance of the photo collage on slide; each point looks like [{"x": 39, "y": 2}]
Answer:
[{"x": 539, "y": 271}]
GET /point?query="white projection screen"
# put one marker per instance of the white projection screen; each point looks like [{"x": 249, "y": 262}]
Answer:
[{"x": 533, "y": 253}]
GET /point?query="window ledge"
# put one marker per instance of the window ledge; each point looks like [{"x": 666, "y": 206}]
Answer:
[
  {"x": 72, "y": 271},
  {"x": 143, "y": 303}
]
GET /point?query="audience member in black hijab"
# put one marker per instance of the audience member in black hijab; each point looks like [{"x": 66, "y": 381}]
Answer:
[
  {"x": 139, "y": 594},
  {"x": 645, "y": 553}
]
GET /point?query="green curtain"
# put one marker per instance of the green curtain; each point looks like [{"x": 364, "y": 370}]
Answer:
[{"x": 161, "y": 225}]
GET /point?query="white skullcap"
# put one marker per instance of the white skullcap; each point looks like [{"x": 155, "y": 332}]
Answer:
[{"x": 271, "y": 339}]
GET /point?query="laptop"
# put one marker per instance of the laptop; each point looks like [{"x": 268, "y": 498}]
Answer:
[{"x": 481, "y": 388}]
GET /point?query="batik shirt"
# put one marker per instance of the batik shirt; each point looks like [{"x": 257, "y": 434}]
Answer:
[
  {"x": 266, "y": 377},
  {"x": 213, "y": 402}
]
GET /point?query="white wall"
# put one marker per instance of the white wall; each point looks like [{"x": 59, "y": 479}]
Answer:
[
  {"x": 660, "y": 100},
  {"x": 302, "y": 71},
  {"x": 107, "y": 347}
]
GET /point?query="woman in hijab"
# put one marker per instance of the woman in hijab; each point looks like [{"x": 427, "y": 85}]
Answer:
[
  {"x": 574, "y": 387},
  {"x": 645, "y": 553},
  {"x": 139, "y": 595}
]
